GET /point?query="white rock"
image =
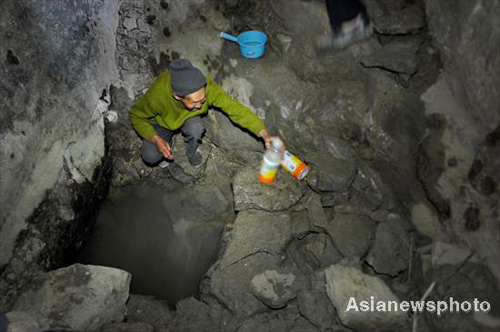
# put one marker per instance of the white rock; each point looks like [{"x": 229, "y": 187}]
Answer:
[{"x": 347, "y": 286}]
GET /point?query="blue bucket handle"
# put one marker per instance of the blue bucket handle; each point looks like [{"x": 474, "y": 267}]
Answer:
[{"x": 229, "y": 37}]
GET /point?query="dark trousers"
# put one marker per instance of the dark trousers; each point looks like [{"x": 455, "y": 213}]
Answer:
[
  {"x": 340, "y": 11},
  {"x": 192, "y": 130}
]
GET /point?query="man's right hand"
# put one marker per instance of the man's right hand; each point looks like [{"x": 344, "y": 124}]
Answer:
[{"x": 163, "y": 146}]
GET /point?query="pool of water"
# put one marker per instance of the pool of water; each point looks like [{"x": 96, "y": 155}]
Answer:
[{"x": 167, "y": 258}]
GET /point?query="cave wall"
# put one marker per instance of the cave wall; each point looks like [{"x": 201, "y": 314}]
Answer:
[
  {"x": 467, "y": 34},
  {"x": 57, "y": 58}
]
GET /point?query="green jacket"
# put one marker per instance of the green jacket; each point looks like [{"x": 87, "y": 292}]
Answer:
[{"x": 158, "y": 105}]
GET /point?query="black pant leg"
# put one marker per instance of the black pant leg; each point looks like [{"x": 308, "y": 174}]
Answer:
[{"x": 340, "y": 11}]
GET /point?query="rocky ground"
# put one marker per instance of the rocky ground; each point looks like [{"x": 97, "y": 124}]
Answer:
[{"x": 392, "y": 189}]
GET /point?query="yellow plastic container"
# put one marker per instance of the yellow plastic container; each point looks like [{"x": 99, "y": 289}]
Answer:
[{"x": 295, "y": 166}]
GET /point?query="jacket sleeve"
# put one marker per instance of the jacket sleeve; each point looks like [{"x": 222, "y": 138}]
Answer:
[
  {"x": 237, "y": 112},
  {"x": 141, "y": 115}
]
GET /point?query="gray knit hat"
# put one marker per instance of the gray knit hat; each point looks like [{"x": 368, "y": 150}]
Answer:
[{"x": 185, "y": 78}]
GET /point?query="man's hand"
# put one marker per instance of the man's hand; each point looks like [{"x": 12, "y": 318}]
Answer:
[
  {"x": 163, "y": 146},
  {"x": 267, "y": 138}
]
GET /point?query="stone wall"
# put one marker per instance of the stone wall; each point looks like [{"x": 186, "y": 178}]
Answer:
[{"x": 57, "y": 58}]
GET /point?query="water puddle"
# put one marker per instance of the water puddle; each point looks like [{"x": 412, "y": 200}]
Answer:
[{"x": 167, "y": 258}]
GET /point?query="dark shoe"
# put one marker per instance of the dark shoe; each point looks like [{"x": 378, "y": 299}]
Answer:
[
  {"x": 342, "y": 40},
  {"x": 195, "y": 160}
]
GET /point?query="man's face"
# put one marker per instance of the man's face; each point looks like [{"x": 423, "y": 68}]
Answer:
[{"x": 194, "y": 100}]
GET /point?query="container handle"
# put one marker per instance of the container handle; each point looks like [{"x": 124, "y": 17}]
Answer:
[{"x": 229, "y": 37}]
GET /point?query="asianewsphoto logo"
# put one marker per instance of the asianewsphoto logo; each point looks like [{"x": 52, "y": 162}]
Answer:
[{"x": 438, "y": 307}]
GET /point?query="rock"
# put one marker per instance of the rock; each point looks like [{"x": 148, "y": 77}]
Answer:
[
  {"x": 347, "y": 287},
  {"x": 230, "y": 285},
  {"x": 148, "y": 310},
  {"x": 352, "y": 234},
  {"x": 332, "y": 175},
  {"x": 195, "y": 204},
  {"x": 250, "y": 193},
  {"x": 130, "y": 23},
  {"x": 258, "y": 241},
  {"x": 390, "y": 250},
  {"x": 470, "y": 56},
  {"x": 78, "y": 297},
  {"x": 400, "y": 22},
  {"x": 315, "y": 212},
  {"x": 257, "y": 232},
  {"x": 273, "y": 288},
  {"x": 300, "y": 224},
  {"x": 333, "y": 198},
  {"x": 315, "y": 245},
  {"x": 330, "y": 254},
  {"x": 232, "y": 139},
  {"x": 128, "y": 327},
  {"x": 398, "y": 56},
  {"x": 192, "y": 315},
  {"x": 19, "y": 321},
  {"x": 425, "y": 220},
  {"x": 303, "y": 325},
  {"x": 447, "y": 253},
  {"x": 316, "y": 308},
  {"x": 181, "y": 169},
  {"x": 276, "y": 320}
]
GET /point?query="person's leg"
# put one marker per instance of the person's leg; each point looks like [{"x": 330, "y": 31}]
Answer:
[
  {"x": 350, "y": 24},
  {"x": 149, "y": 152},
  {"x": 193, "y": 130},
  {"x": 342, "y": 11}
]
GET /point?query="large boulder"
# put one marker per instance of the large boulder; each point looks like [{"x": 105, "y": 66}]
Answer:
[
  {"x": 258, "y": 232},
  {"x": 390, "y": 250},
  {"x": 397, "y": 56},
  {"x": 347, "y": 287},
  {"x": 471, "y": 56},
  {"x": 352, "y": 234},
  {"x": 78, "y": 297},
  {"x": 259, "y": 239},
  {"x": 250, "y": 193}
]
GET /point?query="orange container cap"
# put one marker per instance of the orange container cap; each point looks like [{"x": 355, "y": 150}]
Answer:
[{"x": 266, "y": 180}]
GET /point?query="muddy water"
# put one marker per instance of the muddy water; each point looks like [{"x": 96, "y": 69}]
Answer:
[{"x": 167, "y": 258}]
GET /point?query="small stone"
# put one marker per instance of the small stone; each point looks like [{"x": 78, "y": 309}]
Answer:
[
  {"x": 472, "y": 219},
  {"x": 12, "y": 59},
  {"x": 164, "y": 4},
  {"x": 150, "y": 19},
  {"x": 130, "y": 23},
  {"x": 452, "y": 162},
  {"x": 166, "y": 32}
]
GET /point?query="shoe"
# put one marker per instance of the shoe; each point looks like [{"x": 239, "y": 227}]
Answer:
[
  {"x": 195, "y": 160},
  {"x": 164, "y": 164},
  {"x": 341, "y": 40}
]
